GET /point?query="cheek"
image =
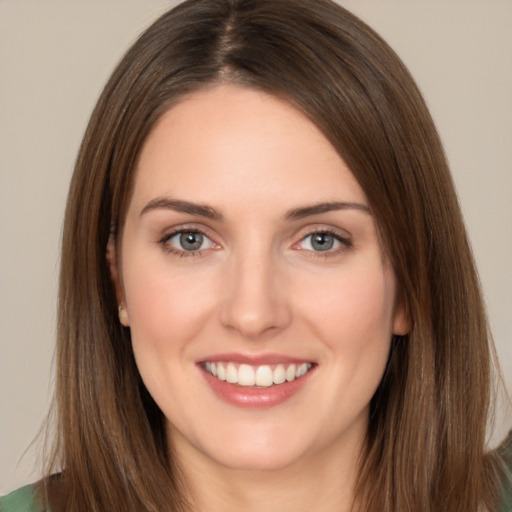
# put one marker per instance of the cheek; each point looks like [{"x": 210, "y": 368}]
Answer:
[
  {"x": 354, "y": 321},
  {"x": 352, "y": 314},
  {"x": 359, "y": 302},
  {"x": 166, "y": 307},
  {"x": 167, "y": 311}
]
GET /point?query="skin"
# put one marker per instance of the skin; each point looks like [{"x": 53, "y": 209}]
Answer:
[{"x": 256, "y": 286}]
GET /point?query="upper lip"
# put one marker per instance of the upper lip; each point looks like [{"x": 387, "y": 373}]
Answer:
[{"x": 254, "y": 359}]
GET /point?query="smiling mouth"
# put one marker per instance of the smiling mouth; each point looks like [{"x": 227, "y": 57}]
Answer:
[{"x": 262, "y": 376}]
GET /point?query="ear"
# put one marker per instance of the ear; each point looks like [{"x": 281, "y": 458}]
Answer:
[
  {"x": 401, "y": 319},
  {"x": 111, "y": 256}
]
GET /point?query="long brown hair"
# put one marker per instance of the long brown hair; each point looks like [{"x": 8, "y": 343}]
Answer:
[{"x": 425, "y": 445}]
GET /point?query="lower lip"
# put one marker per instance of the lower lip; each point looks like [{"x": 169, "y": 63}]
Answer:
[{"x": 255, "y": 398}]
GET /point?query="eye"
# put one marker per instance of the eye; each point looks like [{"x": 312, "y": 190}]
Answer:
[
  {"x": 323, "y": 241},
  {"x": 184, "y": 241}
]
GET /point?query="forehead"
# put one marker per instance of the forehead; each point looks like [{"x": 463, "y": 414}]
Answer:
[{"x": 234, "y": 144}]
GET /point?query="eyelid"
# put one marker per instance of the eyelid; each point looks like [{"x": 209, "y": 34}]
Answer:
[
  {"x": 311, "y": 229},
  {"x": 340, "y": 236},
  {"x": 163, "y": 240},
  {"x": 182, "y": 232}
]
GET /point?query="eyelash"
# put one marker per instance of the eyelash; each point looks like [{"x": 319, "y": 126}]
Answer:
[
  {"x": 182, "y": 253},
  {"x": 345, "y": 243}
]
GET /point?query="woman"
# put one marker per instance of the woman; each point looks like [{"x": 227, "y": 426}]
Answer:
[{"x": 267, "y": 297}]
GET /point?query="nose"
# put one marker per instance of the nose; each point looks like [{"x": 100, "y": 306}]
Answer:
[{"x": 255, "y": 302}]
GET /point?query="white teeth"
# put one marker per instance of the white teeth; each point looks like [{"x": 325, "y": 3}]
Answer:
[
  {"x": 221, "y": 372},
  {"x": 290, "y": 373},
  {"x": 279, "y": 375},
  {"x": 231, "y": 374},
  {"x": 246, "y": 375},
  {"x": 262, "y": 376},
  {"x": 301, "y": 370}
]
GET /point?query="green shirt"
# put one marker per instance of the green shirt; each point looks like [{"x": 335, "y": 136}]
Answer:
[{"x": 26, "y": 500}]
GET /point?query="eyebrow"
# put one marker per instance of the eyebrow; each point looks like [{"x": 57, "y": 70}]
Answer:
[
  {"x": 306, "y": 211},
  {"x": 166, "y": 203},
  {"x": 203, "y": 210}
]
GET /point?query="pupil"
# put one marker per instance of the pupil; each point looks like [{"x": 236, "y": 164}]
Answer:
[
  {"x": 322, "y": 242},
  {"x": 191, "y": 241}
]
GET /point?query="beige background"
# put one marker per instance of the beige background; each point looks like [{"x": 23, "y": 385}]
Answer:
[{"x": 55, "y": 57}]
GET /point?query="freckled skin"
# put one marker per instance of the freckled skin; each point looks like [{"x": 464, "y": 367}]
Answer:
[{"x": 257, "y": 285}]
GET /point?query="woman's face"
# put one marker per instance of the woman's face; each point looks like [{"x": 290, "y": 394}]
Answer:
[{"x": 249, "y": 254}]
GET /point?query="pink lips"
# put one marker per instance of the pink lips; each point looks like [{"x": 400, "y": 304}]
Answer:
[{"x": 254, "y": 397}]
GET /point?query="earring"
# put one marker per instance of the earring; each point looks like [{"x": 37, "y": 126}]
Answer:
[{"x": 123, "y": 315}]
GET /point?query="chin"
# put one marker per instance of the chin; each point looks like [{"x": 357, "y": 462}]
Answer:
[
  {"x": 253, "y": 448},
  {"x": 270, "y": 458}
]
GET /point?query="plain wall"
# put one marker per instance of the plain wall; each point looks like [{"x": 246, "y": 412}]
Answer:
[{"x": 55, "y": 57}]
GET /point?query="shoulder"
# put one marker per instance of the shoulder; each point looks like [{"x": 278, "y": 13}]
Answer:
[
  {"x": 506, "y": 500},
  {"x": 24, "y": 499},
  {"x": 505, "y": 453}
]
